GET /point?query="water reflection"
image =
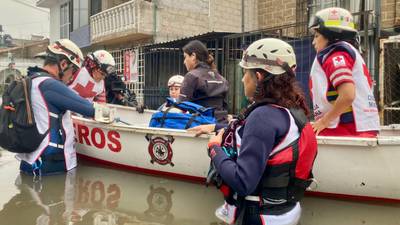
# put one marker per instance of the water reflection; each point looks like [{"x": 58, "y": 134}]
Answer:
[
  {"x": 102, "y": 196},
  {"x": 38, "y": 202}
]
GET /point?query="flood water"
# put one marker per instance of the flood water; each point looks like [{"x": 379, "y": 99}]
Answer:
[{"x": 98, "y": 195}]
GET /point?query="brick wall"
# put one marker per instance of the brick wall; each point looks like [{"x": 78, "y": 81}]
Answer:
[
  {"x": 390, "y": 13},
  {"x": 274, "y": 13}
]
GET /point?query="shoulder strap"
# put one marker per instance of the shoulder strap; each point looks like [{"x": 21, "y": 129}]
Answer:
[
  {"x": 39, "y": 74},
  {"x": 300, "y": 118},
  {"x": 253, "y": 106}
]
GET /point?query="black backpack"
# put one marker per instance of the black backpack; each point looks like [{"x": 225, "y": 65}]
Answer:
[{"x": 18, "y": 131}]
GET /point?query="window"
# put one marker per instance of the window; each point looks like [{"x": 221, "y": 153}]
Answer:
[
  {"x": 65, "y": 22},
  {"x": 95, "y": 7},
  {"x": 80, "y": 13}
]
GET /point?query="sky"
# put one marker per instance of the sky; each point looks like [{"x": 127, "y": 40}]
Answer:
[{"x": 21, "y": 18}]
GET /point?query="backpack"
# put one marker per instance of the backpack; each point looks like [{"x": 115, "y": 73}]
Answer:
[
  {"x": 18, "y": 130},
  {"x": 189, "y": 115}
]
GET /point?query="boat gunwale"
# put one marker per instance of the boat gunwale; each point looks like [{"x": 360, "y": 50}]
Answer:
[
  {"x": 141, "y": 129},
  {"x": 381, "y": 140}
]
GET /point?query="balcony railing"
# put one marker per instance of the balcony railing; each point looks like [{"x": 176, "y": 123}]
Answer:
[{"x": 119, "y": 20}]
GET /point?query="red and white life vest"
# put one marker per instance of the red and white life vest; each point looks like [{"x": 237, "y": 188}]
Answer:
[
  {"x": 85, "y": 86},
  {"x": 286, "y": 176},
  {"x": 292, "y": 159},
  {"x": 365, "y": 111},
  {"x": 42, "y": 116}
]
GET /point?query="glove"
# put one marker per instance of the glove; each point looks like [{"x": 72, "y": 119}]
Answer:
[{"x": 103, "y": 113}]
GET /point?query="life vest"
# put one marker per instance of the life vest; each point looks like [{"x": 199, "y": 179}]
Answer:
[
  {"x": 58, "y": 144},
  {"x": 289, "y": 168},
  {"x": 364, "y": 107},
  {"x": 85, "y": 86}
]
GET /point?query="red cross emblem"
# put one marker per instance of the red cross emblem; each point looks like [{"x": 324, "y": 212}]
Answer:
[
  {"x": 333, "y": 15},
  {"x": 85, "y": 91},
  {"x": 339, "y": 61}
]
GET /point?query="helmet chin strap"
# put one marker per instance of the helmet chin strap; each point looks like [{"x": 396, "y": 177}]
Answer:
[{"x": 61, "y": 72}]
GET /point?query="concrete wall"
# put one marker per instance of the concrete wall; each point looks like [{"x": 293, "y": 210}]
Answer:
[
  {"x": 55, "y": 23},
  {"x": 183, "y": 18}
]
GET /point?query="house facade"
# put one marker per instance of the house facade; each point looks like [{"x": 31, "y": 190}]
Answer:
[
  {"x": 121, "y": 26},
  {"x": 129, "y": 27},
  {"x": 117, "y": 23}
]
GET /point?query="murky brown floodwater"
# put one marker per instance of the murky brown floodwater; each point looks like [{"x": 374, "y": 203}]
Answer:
[{"x": 103, "y": 196}]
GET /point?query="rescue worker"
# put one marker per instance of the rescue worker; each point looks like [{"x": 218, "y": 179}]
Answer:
[
  {"x": 89, "y": 81},
  {"x": 51, "y": 101},
  {"x": 117, "y": 91},
  {"x": 203, "y": 84},
  {"x": 262, "y": 179},
  {"x": 340, "y": 84}
]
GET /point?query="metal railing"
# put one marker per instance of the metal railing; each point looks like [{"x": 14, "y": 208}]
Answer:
[
  {"x": 137, "y": 86},
  {"x": 389, "y": 81},
  {"x": 236, "y": 43}
]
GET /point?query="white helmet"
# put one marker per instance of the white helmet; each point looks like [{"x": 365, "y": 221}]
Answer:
[
  {"x": 69, "y": 49},
  {"x": 175, "y": 80},
  {"x": 333, "y": 19},
  {"x": 268, "y": 54},
  {"x": 104, "y": 60}
]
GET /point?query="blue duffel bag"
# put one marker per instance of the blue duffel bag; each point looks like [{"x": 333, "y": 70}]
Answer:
[{"x": 188, "y": 115}]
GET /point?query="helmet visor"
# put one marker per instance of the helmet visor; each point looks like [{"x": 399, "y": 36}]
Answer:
[{"x": 315, "y": 23}]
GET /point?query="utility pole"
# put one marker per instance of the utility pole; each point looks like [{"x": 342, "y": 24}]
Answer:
[
  {"x": 242, "y": 16},
  {"x": 1, "y": 36}
]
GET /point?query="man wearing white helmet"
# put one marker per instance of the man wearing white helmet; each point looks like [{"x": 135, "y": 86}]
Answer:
[
  {"x": 252, "y": 156},
  {"x": 51, "y": 102},
  {"x": 89, "y": 81},
  {"x": 341, "y": 86}
]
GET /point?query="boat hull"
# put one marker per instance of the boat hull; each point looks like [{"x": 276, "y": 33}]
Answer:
[{"x": 357, "y": 168}]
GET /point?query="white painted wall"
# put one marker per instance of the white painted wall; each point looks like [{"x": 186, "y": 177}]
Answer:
[
  {"x": 54, "y": 23},
  {"x": 21, "y": 18}
]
